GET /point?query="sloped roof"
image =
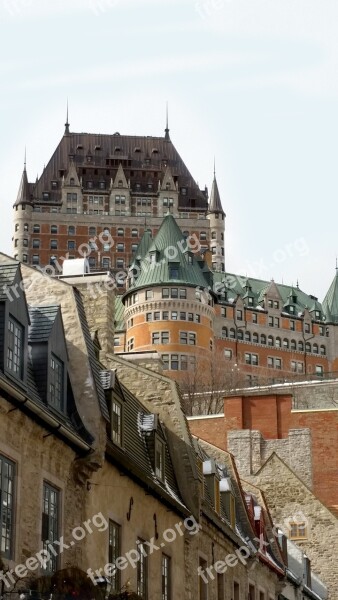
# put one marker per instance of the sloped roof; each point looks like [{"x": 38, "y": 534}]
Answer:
[
  {"x": 235, "y": 285},
  {"x": 136, "y": 153},
  {"x": 25, "y": 190},
  {"x": 119, "y": 314},
  {"x": 167, "y": 246},
  {"x": 8, "y": 274},
  {"x": 215, "y": 204},
  {"x": 42, "y": 322},
  {"x": 330, "y": 302},
  {"x": 135, "y": 453}
]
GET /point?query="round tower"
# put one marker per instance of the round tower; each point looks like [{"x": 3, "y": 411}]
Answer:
[
  {"x": 168, "y": 306},
  {"x": 22, "y": 220},
  {"x": 216, "y": 216}
]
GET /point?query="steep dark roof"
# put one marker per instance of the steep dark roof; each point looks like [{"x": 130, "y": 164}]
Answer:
[
  {"x": 135, "y": 456},
  {"x": 137, "y": 154},
  {"x": 215, "y": 204},
  {"x": 25, "y": 190},
  {"x": 42, "y": 321},
  {"x": 8, "y": 273}
]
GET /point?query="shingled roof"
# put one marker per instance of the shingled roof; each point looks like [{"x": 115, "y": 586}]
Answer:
[
  {"x": 330, "y": 302},
  {"x": 168, "y": 248},
  {"x": 137, "y": 155},
  {"x": 42, "y": 322}
]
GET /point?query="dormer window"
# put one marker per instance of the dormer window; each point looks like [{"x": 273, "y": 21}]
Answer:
[
  {"x": 159, "y": 459},
  {"x": 116, "y": 422},
  {"x": 15, "y": 347},
  {"x": 72, "y": 181},
  {"x": 228, "y": 499},
  {"x": 56, "y": 387}
]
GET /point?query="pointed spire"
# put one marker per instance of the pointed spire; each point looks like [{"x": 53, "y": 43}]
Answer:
[
  {"x": 23, "y": 196},
  {"x": 167, "y": 137},
  {"x": 67, "y": 122},
  {"x": 215, "y": 204}
]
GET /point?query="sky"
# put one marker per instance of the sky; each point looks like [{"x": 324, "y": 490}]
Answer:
[{"x": 253, "y": 83}]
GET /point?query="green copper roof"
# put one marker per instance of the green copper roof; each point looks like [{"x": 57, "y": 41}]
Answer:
[
  {"x": 330, "y": 302},
  {"x": 237, "y": 285},
  {"x": 119, "y": 314},
  {"x": 166, "y": 259}
]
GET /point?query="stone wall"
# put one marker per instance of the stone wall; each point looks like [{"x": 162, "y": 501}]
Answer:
[
  {"x": 251, "y": 451},
  {"x": 39, "y": 457},
  {"x": 288, "y": 500}
]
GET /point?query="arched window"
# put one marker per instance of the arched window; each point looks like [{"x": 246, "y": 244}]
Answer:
[
  {"x": 224, "y": 333},
  {"x": 307, "y": 347},
  {"x": 285, "y": 343},
  {"x": 240, "y": 334},
  {"x": 278, "y": 342},
  {"x": 315, "y": 348},
  {"x": 270, "y": 340},
  {"x": 293, "y": 345},
  {"x": 263, "y": 339},
  {"x": 323, "y": 350},
  {"x": 247, "y": 336},
  {"x": 300, "y": 346},
  {"x": 213, "y": 235},
  {"x": 255, "y": 338},
  {"x": 232, "y": 333}
]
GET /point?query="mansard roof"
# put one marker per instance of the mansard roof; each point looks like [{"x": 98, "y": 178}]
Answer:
[
  {"x": 143, "y": 158},
  {"x": 330, "y": 302},
  {"x": 42, "y": 322},
  {"x": 137, "y": 455},
  {"x": 169, "y": 247},
  {"x": 235, "y": 285}
]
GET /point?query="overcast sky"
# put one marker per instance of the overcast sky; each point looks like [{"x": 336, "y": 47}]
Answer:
[{"x": 253, "y": 82}]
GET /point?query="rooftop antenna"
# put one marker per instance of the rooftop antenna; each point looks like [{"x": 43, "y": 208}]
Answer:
[
  {"x": 214, "y": 168},
  {"x": 336, "y": 265},
  {"x": 25, "y": 161},
  {"x": 167, "y": 137}
]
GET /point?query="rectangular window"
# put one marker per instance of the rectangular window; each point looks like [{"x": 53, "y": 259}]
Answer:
[
  {"x": 149, "y": 317},
  {"x": 183, "y": 316},
  {"x": 53, "y": 244},
  {"x": 36, "y": 244},
  {"x": 220, "y": 586},
  {"x": 165, "y": 292},
  {"x": 35, "y": 259},
  {"x": 251, "y": 359},
  {"x": 183, "y": 337},
  {"x": 239, "y": 314},
  {"x": 71, "y": 245},
  {"x": 165, "y": 315},
  {"x": 15, "y": 347},
  {"x": 223, "y": 312},
  {"x": 203, "y": 582},
  {"x": 292, "y": 325},
  {"x": 157, "y": 315},
  {"x": 254, "y": 317},
  {"x": 159, "y": 459},
  {"x": 192, "y": 339},
  {"x": 7, "y": 475},
  {"x": 190, "y": 317},
  {"x": 174, "y": 292},
  {"x": 183, "y": 294},
  {"x": 120, "y": 247},
  {"x": 114, "y": 551},
  {"x": 297, "y": 530},
  {"x": 236, "y": 590},
  {"x": 142, "y": 570},
  {"x": 56, "y": 382},
  {"x": 197, "y": 319},
  {"x": 50, "y": 522},
  {"x": 174, "y": 315},
  {"x": 116, "y": 422},
  {"x": 149, "y": 294},
  {"x": 166, "y": 577}
]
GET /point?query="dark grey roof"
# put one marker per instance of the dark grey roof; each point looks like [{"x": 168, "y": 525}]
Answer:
[
  {"x": 137, "y": 154},
  {"x": 8, "y": 274},
  {"x": 91, "y": 355},
  {"x": 42, "y": 322},
  {"x": 215, "y": 204},
  {"x": 25, "y": 190},
  {"x": 136, "y": 452}
]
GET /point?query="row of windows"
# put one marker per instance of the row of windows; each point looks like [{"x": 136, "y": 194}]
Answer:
[
  {"x": 178, "y": 362},
  {"x": 271, "y": 341},
  {"x": 275, "y": 321},
  {"x": 36, "y": 228},
  {"x": 163, "y": 337},
  {"x": 173, "y": 315},
  {"x": 168, "y": 293},
  {"x": 274, "y": 362}
]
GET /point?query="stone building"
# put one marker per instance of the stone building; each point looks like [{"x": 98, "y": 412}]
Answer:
[
  {"x": 105, "y": 197},
  {"x": 125, "y": 493}
]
